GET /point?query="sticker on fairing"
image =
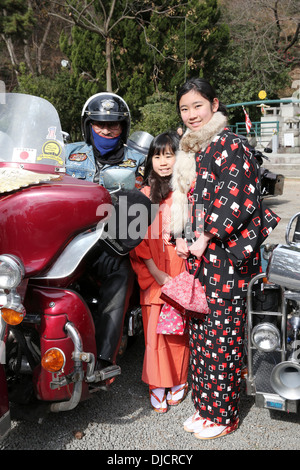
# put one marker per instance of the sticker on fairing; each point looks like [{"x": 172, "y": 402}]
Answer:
[
  {"x": 51, "y": 132},
  {"x": 24, "y": 155},
  {"x": 51, "y": 150}
]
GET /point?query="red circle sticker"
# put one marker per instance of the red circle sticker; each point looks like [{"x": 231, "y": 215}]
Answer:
[{"x": 24, "y": 155}]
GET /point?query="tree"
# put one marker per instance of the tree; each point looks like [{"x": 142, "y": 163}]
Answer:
[
  {"x": 30, "y": 38},
  {"x": 158, "y": 114},
  {"x": 151, "y": 51},
  {"x": 267, "y": 31},
  {"x": 187, "y": 41},
  {"x": 144, "y": 49},
  {"x": 102, "y": 18},
  {"x": 16, "y": 21},
  {"x": 261, "y": 52}
]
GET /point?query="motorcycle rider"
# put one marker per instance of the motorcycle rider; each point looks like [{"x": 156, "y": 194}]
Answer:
[{"x": 105, "y": 125}]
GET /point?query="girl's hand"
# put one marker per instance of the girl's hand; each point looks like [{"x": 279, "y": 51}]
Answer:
[
  {"x": 161, "y": 277},
  {"x": 199, "y": 246},
  {"x": 182, "y": 248}
]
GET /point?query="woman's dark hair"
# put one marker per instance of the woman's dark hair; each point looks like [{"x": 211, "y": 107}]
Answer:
[
  {"x": 203, "y": 87},
  {"x": 159, "y": 144}
]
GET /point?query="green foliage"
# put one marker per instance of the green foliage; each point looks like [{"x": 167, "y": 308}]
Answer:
[
  {"x": 158, "y": 115},
  {"x": 187, "y": 41},
  {"x": 16, "y": 19},
  {"x": 86, "y": 54},
  {"x": 68, "y": 105},
  {"x": 239, "y": 82},
  {"x": 152, "y": 55}
]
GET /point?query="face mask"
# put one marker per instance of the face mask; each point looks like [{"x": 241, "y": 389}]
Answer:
[{"x": 104, "y": 144}]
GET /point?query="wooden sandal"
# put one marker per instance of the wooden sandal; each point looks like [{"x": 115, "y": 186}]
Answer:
[
  {"x": 212, "y": 430},
  {"x": 173, "y": 402},
  {"x": 163, "y": 404}
]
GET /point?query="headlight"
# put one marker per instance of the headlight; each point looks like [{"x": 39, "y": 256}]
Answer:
[
  {"x": 11, "y": 272},
  {"x": 265, "y": 337}
]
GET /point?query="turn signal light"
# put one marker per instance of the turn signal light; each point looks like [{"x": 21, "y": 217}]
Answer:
[
  {"x": 11, "y": 316},
  {"x": 53, "y": 360}
]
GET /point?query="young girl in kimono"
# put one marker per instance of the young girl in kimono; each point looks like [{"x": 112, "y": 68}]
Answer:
[{"x": 155, "y": 261}]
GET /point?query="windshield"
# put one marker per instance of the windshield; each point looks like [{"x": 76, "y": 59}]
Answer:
[{"x": 30, "y": 134}]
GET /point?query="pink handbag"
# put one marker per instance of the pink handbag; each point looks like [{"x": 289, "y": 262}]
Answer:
[
  {"x": 171, "y": 322},
  {"x": 185, "y": 293}
]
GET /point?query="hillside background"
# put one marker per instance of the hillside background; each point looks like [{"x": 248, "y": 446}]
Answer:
[{"x": 67, "y": 50}]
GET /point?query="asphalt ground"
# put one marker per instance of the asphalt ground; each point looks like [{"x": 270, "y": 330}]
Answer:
[
  {"x": 286, "y": 206},
  {"x": 122, "y": 420}
]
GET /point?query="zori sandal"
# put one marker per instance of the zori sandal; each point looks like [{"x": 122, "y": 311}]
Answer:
[
  {"x": 177, "y": 394},
  {"x": 194, "y": 423},
  {"x": 158, "y": 405},
  {"x": 212, "y": 430}
]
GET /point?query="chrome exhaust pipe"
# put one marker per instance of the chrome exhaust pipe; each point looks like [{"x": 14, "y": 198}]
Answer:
[{"x": 285, "y": 379}]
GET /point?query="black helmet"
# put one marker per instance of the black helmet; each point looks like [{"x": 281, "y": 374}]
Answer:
[{"x": 105, "y": 107}]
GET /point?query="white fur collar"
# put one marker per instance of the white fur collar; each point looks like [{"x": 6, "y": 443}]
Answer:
[{"x": 184, "y": 170}]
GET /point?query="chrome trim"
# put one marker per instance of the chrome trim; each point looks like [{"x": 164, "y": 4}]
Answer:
[
  {"x": 284, "y": 267},
  {"x": 250, "y": 313},
  {"x": 5, "y": 425},
  {"x": 72, "y": 255},
  {"x": 288, "y": 229},
  {"x": 77, "y": 374},
  {"x": 15, "y": 263},
  {"x": 3, "y": 327}
]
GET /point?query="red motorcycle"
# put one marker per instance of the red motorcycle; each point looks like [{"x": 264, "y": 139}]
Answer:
[{"x": 50, "y": 223}]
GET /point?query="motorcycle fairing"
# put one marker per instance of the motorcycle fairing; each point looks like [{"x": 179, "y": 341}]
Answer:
[
  {"x": 39, "y": 221},
  {"x": 30, "y": 134},
  {"x": 73, "y": 253},
  {"x": 56, "y": 307}
]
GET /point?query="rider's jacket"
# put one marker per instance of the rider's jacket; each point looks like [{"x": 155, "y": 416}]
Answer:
[{"x": 80, "y": 162}]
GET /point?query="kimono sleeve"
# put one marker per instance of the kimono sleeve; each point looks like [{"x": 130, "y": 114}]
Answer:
[
  {"x": 237, "y": 190},
  {"x": 137, "y": 256}
]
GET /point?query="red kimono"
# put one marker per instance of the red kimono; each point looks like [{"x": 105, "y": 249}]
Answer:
[{"x": 166, "y": 359}]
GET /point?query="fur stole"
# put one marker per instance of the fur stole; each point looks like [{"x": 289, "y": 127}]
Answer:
[{"x": 184, "y": 170}]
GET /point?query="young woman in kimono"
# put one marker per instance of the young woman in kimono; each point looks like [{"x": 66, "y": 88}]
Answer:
[
  {"x": 166, "y": 359},
  {"x": 219, "y": 177}
]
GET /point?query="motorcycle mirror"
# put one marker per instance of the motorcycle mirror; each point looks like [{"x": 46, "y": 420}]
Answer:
[
  {"x": 115, "y": 179},
  {"x": 268, "y": 150},
  {"x": 66, "y": 137},
  {"x": 296, "y": 236},
  {"x": 140, "y": 141}
]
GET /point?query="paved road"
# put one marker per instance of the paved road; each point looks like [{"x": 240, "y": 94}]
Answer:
[
  {"x": 285, "y": 206},
  {"x": 121, "y": 419}
]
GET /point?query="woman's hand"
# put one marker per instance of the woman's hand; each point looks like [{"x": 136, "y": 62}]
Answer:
[
  {"x": 182, "y": 248},
  {"x": 199, "y": 246}
]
